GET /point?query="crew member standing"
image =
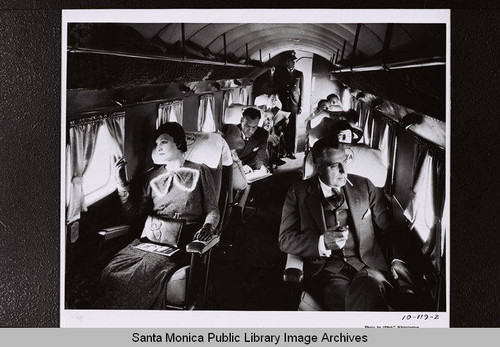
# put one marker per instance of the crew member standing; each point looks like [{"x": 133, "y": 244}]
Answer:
[{"x": 289, "y": 84}]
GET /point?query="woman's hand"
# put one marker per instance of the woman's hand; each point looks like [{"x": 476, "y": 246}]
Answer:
[
  {"x": 247, "y": 169},
  {"x": 234, "y": 155},
  {"x": 205, "y": 233},
  {"x": 120, "y": 173}
]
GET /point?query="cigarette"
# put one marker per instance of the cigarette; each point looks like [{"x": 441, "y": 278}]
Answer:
[{"x": 349, "y": 182}]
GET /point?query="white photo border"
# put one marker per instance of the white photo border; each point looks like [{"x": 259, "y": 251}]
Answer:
[{"x": 247, "y": 319}]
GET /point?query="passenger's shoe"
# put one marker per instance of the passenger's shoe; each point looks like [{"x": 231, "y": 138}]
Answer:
[
  {"x": 291, "y": 156},
  {"x": 280, "y": 162}
]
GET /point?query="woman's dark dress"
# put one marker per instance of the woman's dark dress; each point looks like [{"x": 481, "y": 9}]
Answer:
[{"x": 135, "y": 279}]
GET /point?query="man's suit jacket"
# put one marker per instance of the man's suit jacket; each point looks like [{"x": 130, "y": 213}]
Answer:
[
  {"x": 289, "y": 88},
  {"x": 251, "y": 153},
  {"x": 303, "y": 222}
]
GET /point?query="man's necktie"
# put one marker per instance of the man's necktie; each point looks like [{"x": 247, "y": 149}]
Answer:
[{"x": 337, "y": 199}]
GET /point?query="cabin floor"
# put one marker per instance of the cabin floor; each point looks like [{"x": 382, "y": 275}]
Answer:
[{"x": 249, "y": 274}]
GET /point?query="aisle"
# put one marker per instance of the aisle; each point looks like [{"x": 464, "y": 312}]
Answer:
[{"x": 248, "y": 276}]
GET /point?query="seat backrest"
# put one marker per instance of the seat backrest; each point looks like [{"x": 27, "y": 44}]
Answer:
[
  {"x": 212, "y": 150},
  {"x": 268, "y": 102},
  {"x": 234, "y": 112}
]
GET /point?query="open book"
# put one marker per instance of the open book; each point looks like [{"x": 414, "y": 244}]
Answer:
[
  {"x": 158, "y": 249},
  {"x": 280, "y": 115},
  {"x": 256, "y": 175}
]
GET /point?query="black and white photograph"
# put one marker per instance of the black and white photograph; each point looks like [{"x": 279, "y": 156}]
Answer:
[{"x": 255, "y": 168}]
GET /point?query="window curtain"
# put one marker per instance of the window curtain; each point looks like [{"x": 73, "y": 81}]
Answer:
[
  {"x": 116, "y": 127},
  {"x": 372, "y": 132},
  {"x": 420, "y": 211},
  {"x": 426, "y": 209},
  {"x": 384, "y": 145},
  {"x": 436, "y": 247},
  {"x": 229, "y": 99},
  {"x": 387, "y": 146},
  {"x": 367, "y": 129},
  {"x": 82, "y": 144},
  {"x": 364, "y": 113},
  {"x": 82, "y": 140},
  {"x": 170, "y": 112},
  {"x": 69, "y": 174},
  {"x": 206, "y": 112},
  {"x": 445, "y": 222},
  {"x": 377, "y": 131},
  {"x": 357, "y": 105}
]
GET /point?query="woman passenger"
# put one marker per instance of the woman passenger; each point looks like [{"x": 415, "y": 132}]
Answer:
[{"x": 174, "y": 188}]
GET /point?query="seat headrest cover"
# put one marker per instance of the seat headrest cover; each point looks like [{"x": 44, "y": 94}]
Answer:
[
  {"x": 268, "y": 102},
  {"x": 234, "y": 112},
  {"x": 207, "y": 148},
  {"x": 367, "y": 162}
]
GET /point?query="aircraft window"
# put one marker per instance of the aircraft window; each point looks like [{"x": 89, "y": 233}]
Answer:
[
  {"x": 170, "y": 112},
  {"x": 97, "y": 181},
  {"x": 206, "y": 112}
]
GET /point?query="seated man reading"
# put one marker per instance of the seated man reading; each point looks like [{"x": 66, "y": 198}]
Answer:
[
  {"x": 336, "y": 222},
  {"x": 248, "y": 140}
]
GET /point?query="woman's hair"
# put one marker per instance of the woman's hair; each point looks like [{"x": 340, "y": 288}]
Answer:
[
  {"x": 351, "y": 115},
  {"x": 333, "y": 98},
  {"x": 176, "y": 131},
  {"x": 322, "y": 103}
]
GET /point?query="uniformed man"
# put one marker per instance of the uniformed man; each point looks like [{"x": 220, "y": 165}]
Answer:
[{"x": 288, "y": 84}]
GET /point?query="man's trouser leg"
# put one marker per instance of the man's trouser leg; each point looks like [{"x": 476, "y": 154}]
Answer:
[
  {"x": 369, "y": 291},
  {"x": 348, "y": 290},
  {"x": 329, "y": 289}
]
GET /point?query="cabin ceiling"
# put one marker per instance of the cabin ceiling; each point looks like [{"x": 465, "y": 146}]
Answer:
[
  {"x": 127, "y": 55},
  {"x": 206, "y": 40}
]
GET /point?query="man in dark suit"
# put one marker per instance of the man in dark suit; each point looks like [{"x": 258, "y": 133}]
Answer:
[
  {"x": 288, "y": 83},
  {"x": 337, "y": 223},
  {"x": 248, "y": 140}
]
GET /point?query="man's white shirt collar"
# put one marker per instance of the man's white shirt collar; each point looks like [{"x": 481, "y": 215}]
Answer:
[{"x": 326, "y": 189}]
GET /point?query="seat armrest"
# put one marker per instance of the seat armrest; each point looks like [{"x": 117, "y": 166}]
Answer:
[
  {"x": 202, "y": 247},
  {"x": 293, "y": 275},
  {"x": 114, "y": 232},
  {"x": 294, "y": 269}
]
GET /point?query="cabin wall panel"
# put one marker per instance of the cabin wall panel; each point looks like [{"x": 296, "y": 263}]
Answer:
[
  {"x": 140, "y": 123},
  {"x": 219, "y": 99},
  {"x": 190, "y": 119}
]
